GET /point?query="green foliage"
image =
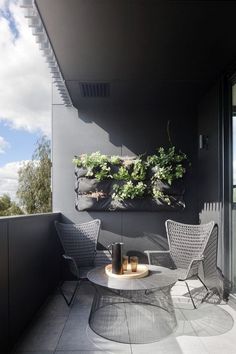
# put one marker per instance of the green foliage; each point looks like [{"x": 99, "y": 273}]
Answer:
[
  {"x": 115, "y": 160},
  {"x": 160, "y": 195},
  {"x": 169, "y": 164},
  {"x": 103, "y": 172},
  {"x": 34, "y": 190},
  {"x": 5, "y": 202},
  {"x": 8, "y": 207},
  {"x": 129, "y": 190},
  {"x": 122, "y": 174},
  {"x": 96, "y": 164},
  {"x": 139, "y": 170}
]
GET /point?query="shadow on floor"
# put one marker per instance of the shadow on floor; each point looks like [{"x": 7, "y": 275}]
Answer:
[{"x": 59, "y": 329}]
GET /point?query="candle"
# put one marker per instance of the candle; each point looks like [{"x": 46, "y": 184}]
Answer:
[
  {"x": 134, "y": 263},
  {"x": 125, "y": 263}
]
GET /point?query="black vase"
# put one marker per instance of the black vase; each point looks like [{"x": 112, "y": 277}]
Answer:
[{"x": 117, "y": 253}]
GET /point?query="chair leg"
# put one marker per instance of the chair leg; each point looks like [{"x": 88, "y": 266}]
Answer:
[
  {"x": 208, "y": 291},
  {"x": 203, "y": 283},
  {"x": 68, "y": 302},
  {"x": 190, "y": 295}
]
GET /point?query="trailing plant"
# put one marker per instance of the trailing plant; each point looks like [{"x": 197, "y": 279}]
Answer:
[
  {"x": 122, "y": 174},
  {"x": 128, "y": 190},
  {"x": 156, "y": 193},
  {"x": 96, "y": 165},
  {"x": 115, "y": 160},
  {"x": 168, "y": 164},
  {"x": 139, "y": 170}
]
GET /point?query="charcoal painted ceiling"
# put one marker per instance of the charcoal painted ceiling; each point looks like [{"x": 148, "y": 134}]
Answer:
[{"x": 149, "y": 51}]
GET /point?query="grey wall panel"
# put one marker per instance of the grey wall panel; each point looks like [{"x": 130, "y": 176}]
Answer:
[
  {"x": 125, "y": 131},
  {"x": 34, "y": 267},
  {"x": 143, "y": 230},
  {"x": 73, "y": 135},
  {"x": 4, "y": 320},
  {"x": 209, "y": 171},
  {"x": 209, "y": 158}
]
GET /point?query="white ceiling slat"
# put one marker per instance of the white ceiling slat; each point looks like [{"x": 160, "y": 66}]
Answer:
[{"x": 36, "y": 24}]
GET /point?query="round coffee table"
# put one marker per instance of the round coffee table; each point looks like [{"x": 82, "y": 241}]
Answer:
[{"x": 133, "y": 310}]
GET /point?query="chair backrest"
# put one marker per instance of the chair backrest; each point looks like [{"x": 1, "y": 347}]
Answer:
[
  {"x": 212, "y": 276},
  {"x": 79, "y": 240},
  {"x": 187, "y": 242}
]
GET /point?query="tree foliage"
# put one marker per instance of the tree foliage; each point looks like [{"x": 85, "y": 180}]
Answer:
[
  {"x": 8, "y": 207},
  {"x": 34, "y": 189}
]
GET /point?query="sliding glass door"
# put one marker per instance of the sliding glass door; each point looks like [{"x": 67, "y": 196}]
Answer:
[{"x": 233, "y": 239}]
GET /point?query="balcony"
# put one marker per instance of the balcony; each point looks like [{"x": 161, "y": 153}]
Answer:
[
  {"x": 37, "y": 319},
  {"x": 122, "y": 71},
  {"x": 58, "y": 329}
]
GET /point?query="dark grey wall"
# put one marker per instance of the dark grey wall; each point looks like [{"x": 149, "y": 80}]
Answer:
[
  {"x": 29, "y": 270},
  {"x": 122, "y": 131},
  {"x": 209, "y": 159},
  {"x": 209, "y": 168},
  {"x": 4, "y": 284}
]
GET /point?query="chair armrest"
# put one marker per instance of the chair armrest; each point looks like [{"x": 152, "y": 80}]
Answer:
[
  {"x": 72, "y": 262},
  {"x": 67, "y": 257},
  {"x": 148, "y": 252}
]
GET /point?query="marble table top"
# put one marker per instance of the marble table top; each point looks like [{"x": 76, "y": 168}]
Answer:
[{"x": 158, "y": 278}]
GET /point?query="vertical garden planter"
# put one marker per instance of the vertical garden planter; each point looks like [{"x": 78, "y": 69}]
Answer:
[{"x": 130, "y": 183}]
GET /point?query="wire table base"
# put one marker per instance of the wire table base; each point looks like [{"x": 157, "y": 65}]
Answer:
[{"x": 132, "y": 316}]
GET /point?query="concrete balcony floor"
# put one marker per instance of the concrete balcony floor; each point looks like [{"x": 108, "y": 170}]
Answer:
[{"x": 58, "y": 329}]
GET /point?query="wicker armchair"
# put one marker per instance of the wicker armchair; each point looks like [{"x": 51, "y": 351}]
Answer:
[
  {"x": 79, "y": 242},
  {"x": 190, "y": 246}
]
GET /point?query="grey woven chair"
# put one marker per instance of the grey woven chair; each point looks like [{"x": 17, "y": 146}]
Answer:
[
  {"x": 79, "y": 242},
  {"x": 188, "y": 247}
]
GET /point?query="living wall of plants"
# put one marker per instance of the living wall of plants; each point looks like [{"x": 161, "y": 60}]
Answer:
[{"x": 149, "y": 183}]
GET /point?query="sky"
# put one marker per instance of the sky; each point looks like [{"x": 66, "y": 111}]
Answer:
[{"x": 25, "y": 94}]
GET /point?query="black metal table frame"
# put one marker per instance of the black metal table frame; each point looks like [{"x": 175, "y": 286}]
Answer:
[{"x": 132, "y": 315}]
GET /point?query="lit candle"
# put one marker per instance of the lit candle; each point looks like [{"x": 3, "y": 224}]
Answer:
[
  {"x": 125, "y": 263},
  {"x": 134, "y": 263}
]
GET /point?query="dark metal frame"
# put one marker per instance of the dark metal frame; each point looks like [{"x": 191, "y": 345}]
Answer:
[
  {"x": 70, "y": 260},
  {"x": 132, "y": 297},
  {"x": 191, "y": 297}
]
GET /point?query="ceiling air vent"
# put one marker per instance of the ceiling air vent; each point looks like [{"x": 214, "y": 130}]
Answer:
[{"x": 94, "y": 89}]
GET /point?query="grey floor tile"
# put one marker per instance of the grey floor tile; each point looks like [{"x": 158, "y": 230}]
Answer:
[
  {"x": 78, "y": 336},
  {"x": 191, "y": 345},
  {"x": 74, "y": 336},
  {"x": 34, "y": 352},
  {"x": 86, "y": 288},
  {"x": 209, "y": 320},
  {"x": 219, "y": 345},
  {"x": 84, "y": 294},
  {"x": 108, "y": 346},
  {"x": 183, "y": 328},
  {"x": 168, "y": 345},
  {"x": 43, "y": 335},
  {"x": 109, "y": 351},
  {"x": 82, "y": 300},
  {"x": 177, "y": 343},
  {"x": 59, "y": 329},
  {"x": 54, "y": 308}
]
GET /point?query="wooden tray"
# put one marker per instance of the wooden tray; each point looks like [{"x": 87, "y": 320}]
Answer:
[{"x": 142, "y": 271}]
